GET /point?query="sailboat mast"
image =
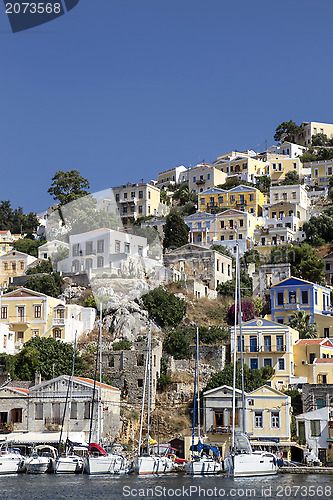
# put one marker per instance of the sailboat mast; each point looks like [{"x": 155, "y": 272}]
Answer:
[
  {"x": 194, "y": 394},
  {"x": 149, "y": 393},
  {"x": 71, "y": 387},
  {"x": 241, "y": 338},
  {"x": 234, "y": 353},
  {"x": 198, "y": 394},
  {"x": 100, "y": 377},
  {"x": 143, "y": 399}
]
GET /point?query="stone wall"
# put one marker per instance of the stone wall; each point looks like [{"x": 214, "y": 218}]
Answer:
[{"x": 311, "y": 393}]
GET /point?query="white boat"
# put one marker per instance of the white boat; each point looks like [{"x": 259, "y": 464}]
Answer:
[
  {"x": 11, "y": 460},
  {"x": 42, "y": 460},
  {"x": 153, "y": 464},
  {"x": 98, "y": 461},
  {"x": 68, "y": 464},
  {"x": 203, "y": 465},
  {"x": 245, "y": 462}
]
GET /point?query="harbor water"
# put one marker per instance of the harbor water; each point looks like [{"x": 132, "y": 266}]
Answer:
[{"x": 84, "y": 487}]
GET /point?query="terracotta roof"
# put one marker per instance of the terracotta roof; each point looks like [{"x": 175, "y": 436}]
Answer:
[
  {"x": 324, "y": 360},
  {"x": 314, "y": 341},
  {"x": 20, "y": 389},
  {"x": 90, "y": 381}
]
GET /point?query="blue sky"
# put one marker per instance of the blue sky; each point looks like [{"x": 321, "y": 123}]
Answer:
[{"x": 123, "y": 90}]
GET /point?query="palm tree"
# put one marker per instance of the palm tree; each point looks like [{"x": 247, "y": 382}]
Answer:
[{"x": 301, "y": 321}]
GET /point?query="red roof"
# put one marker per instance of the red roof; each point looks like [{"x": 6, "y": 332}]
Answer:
[
  {"x": 90, "y": 381},
  {"x": 324, "y": 360},
  {"x": 324, "y": 342},
  {"x": 20, "y": 389}
]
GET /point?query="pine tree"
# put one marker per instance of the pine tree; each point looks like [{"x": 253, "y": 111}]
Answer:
[{"x": 175, "y": 231}]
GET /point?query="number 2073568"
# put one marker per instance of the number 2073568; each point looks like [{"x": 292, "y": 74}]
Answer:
[{"x": 33, "y": 8}]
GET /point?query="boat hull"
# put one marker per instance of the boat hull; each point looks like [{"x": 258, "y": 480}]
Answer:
[
  {"x": 10, "y": 465},
  {"x": 108, "y": 464},
  {"x": 203, "y": 467},
  {"x": 153, "y": 465},
  {"x": 254, "y": 464},
  {"x": 38, "y": 466},
  {"x": 68, "y": 465}
]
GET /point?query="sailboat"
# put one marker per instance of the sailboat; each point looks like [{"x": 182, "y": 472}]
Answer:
[
  {"x": 98, "y": 460},
  {"x": 69, "y": 463},
  {"x": 203, "y": 463},
  {"x": 11, "y": 460},
  {"x": 147, "y": 463},
  {"x": 242, "y": 460}
]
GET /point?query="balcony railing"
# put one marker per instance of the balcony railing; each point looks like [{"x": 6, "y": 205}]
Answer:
[
  {"x": 58, "y": 321},
  {"x": 225, "y": 429},
  {"x": 265, "y": 348},
  {"x": 53, "y": 421},
  {"x": 200, "y": 181}
]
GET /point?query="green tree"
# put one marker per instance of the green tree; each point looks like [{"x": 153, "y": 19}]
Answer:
[
  {"x": 291, "y": 178},
  {"x": 182, "y": 194},
  {"x": 233, "y": 182},
  {"x": 222, "y": 250},
  {"x": 122, "y": 345},
  {"x": 301, "y": 321},
  {"x": 251, "y": 256},
  {"x": 41, "y": 267},
  {"x": 27, "y": 245},
  {"x": 252, "y": 378},
  {"x": 296, "y": 401},
  {"x": 175, "y": 230},
  {"x": 177, "y": 343},
  {"x": 47, "y": 356},
  {"x": 49, "y": 284},
  {"x": 164, "y": 307},
  {"x": 263, "y": 183},
  {"x": 228, "y": 287},
  {"x": 68, "y": 186},
  {"x": 60, "y": 254},
  {"x": 16, "y": 221},
  {"x": 287, "y": 131},
  {"x": 320, "y": 227},
  {"x": 303, "y": 261},
  {"x": 321, "y": 140}
]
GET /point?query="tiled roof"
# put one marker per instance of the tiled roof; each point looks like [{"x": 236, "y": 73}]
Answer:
[
  {"x": 324, "y": 360},
  {"x": 20, "y": 389},
  {"x": 313, "y": 342},
  {"x": 90, "y": 381}
]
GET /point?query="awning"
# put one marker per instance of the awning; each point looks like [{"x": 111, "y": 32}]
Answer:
[{"x": 41, "y": 437}]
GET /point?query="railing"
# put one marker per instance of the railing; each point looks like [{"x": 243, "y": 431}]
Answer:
[
  {"x": 292, "y": 305},
  {"x": 200, "y": 181},
  {"x": 226, "y": 429},
  {"x": 264, "y": 348},
  {"x": 53, "y": 421},
  {"x": 90, "y": 252},
  {"x": 58, "y": 321}
]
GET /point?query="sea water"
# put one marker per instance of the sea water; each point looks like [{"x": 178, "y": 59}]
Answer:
[{"x": 169, "y": 486}]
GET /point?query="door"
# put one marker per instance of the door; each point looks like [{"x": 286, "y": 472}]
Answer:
[
  {"x": 322, "y": 455},
  {"x": 279, "y": 342},
  {"x": 253, "y": 344},
  {"x": 267, "y": 343}
]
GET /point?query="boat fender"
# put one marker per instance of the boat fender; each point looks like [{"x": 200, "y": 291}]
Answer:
[
  {"x": 280, "y": 462},
  {"x": 274, "y": 460}
]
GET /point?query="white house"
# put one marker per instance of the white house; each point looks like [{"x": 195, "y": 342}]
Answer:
[
  {"x": 313, "y": 428},
  {"x": 50, "y": 247},
  {"x": 7, "y": 340}
]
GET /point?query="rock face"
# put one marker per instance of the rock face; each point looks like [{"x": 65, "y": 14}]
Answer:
[{"x": 124, "y": 317}]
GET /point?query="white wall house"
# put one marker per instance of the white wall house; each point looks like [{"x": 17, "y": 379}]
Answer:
[
  {"x": 313, "y": 427},
  {"x": 50, "y": 247},
  {"x": 7, "y": 340},
  {"x": 102, "y": 250}
]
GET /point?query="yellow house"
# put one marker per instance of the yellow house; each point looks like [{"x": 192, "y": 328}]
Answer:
[
  {"x": 267, "y": 416},
  {"x": 279, "y": 167},
  {"x": 243, "y": 198},
  {"x": 171, "y": 176},
  {"x": 244, "y": 166},
  {"x": 29, "y": 313},
  {"x": 313, "y": 359},
  {"x": 6, "y": 241},
  {"x": 312, "y": 128},
  {"x": 294, "y": 294},
  {"x": 266, "y": 343},
  {"x": 208, "y": 229},
  {"x": 321, "y": 171},
  {"x": 13, "y": 264}
]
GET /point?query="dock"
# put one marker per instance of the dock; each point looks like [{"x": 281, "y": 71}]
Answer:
[{"x": 306, "y": 470}]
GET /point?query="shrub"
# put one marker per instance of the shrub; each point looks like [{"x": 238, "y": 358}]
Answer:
[
  {"x": 164, "y": 307},
  {"x": 249, "y": 311},
  {"x": 122, "y": 345}
]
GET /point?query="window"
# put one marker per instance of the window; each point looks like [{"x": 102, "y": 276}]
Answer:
[
  {"x": 57, "y": 333},
  {"x": 281, "y": 364},
  {"x": 149, "y": 195},
  {"x": 221, "y": 200},
  {"x": 295, "y": 165},
  {"x": 38, "y": 311},
  {"x": 231, "y": 236},
  {"x": 275, "y": 420},
  {"x": 280, "y": 298},
  {"x": 280, "y": 320},
  {"x": 38, "y": 411},
  {"x": 76, "y": 250},
  {"x": 251, "y": 197},
  {"x": 87, "y": 410},
  {"x": 194, "y": 179},
  {"x": 241, "y": 223},
  {"x": 229, "y": 270},
  {"x": 315, "y": 427},
  {"x": 14, "y": 266},
  {"x": 140, "y": 194},
  {"x": 148, "y": 209},
  {"x": 20, "y": 312},
  {"x": 274, "y": 168},
  {"x": 19, "y": 336},
  {"x": 73, "y": 410},
  {"x": 21, "y": 265},
  {"x": 125, "y": 196},
  {"x": 5, "y": 266},
  {"x": 140, "y": 360},
  {"x": 254, "y": 365},
  {"x": 258, "y": 420},
  {"x": 231, "y": 224},
  {"x": 100, "y": 246},
  {"x": 240, "y": 236},
  {"x": 268, "y": 362},
  {"x": 316, "y": 297},
  {"x": 4, "y": 312},
  {"x": 292, "y": 297},
  {"x": 218, "y": 418},
  {"x": 117, "y": 246},
  {"x": 100, "y": 261},
  {"x": 35, "y": 333},
  {"x": 140, "y": 382},
  {"x": 305, "y": 297},
  {"x": 232, "y": 198},
  {"x": 16, "y": 415},
  {"x": 222, "y": 237},
  {"x": 140, "y": 251},
  {"x": 117, "y": 196},
  {"x": 267, "y": 343},
  {"x": 217, "y": 265},
  {"x": 89, "y": 248},
  {"x": 127, "y": 248},
  {"x": 132, "y": 194},
  {"x": 208, "y": 176},
  {"x": 202, "y": 201},
  {"x": 326, "y": 332},
  {"x": 222, "y": 224},
  {"x": 312, "y": 357},
  {"x": 140, "y": 209}
]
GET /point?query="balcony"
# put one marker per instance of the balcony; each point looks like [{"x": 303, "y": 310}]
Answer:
[
  {"x": 90, "y": 252},
  {"x": 264, "y": 348},
  {"x": 226, "y": 429},
  {"x": 199, "y": 230},
  {"x": 52, "y": 421},
  {"x": 293, "y": 306},
  {"x": 200, "y": 182}
]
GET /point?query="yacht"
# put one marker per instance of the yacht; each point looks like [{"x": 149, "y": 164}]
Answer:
[
  {"x": 41, "y": 460},
  {"x": 11, "y": 460},
  {"x": 98, "y": 461}
]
